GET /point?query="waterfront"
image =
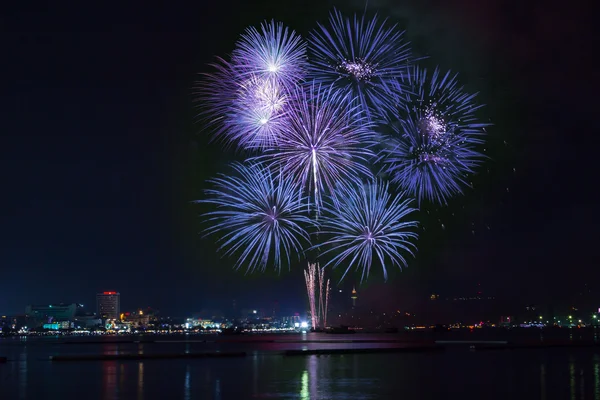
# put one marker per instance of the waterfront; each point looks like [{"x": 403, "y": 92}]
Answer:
[{"x": 562, "y": 373}]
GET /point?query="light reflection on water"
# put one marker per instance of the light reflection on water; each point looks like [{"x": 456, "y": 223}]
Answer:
[
  {"x": 572, "y": 378},
  {"x": 186, "y": 384},
  {"x": 543, "y": 381},
  {"x": 596, "y": 377},
  {"x": 553, "y": 374},
  {"x": 23, "y": 374},
  {"x": 109, "y": 379},
  {"x": 140, "y": 385}
]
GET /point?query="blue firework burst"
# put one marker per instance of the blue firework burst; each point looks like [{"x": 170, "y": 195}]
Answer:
[
  {"x": 366, "y": 224},
  {"x": 260, "y": 216},
  {"x": 273, "y": 53},
  {"x": 326, "y": 140},
  {"x": 362, "y": 58},
  {"x": 436, "y": 138}
]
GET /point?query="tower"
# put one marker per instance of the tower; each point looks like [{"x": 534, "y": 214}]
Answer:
[{"x": 354, "y": 296}]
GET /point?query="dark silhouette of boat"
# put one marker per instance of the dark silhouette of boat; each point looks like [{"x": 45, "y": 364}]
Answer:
[
  {"x": 340, "y": 330},
  {"x": 231, "y": 331}
]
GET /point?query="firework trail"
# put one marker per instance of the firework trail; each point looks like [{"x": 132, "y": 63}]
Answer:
[
  {"x": 321, "y": 272},
  {"x": 362, "y": 58},
  {"x": 326, "y": 141},
  {"x": 259, "y": 215},
  {"x": 434, "y": 145},
  {"x": 309, "y": 276},
  {"x": 365, "y": 223},
  {"x": 326, "y": 304},
  {"x": 274, "y": 53}
]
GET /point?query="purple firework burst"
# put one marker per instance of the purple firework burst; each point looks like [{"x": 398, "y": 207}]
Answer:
[
  {"x": 362, "y": 58},
  {"x": 366, "y": 224},
  {"x": 244, "y": 110},
  {"x": 435, "y": 140},
  {"x": 273, "y": 53},
  {"x": 260, "y": 215},
  {"x": 326, "y": 140}
]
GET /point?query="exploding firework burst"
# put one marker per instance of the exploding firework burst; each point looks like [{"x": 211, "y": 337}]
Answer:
[
  {"x": 326, "y": 141},
  {"x": 362, "y": 58},
  {"x": 244, "y": 110},
  {"x": 260, "y": 215},
  {"x": 273, "y": 53},
  {"x": 366, "y": 223},
  {"x": 435, "y": 140}
]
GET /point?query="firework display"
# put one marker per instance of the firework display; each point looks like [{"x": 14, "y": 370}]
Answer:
[
  {"x": 340, "y": 135},
  {"x": 436, "y": 135}
]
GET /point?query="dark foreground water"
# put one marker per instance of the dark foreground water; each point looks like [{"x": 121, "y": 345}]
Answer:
[{"x": 267, "y": 374}]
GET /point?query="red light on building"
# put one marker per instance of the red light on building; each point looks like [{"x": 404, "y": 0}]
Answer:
[{"x": 109, "y": 293}]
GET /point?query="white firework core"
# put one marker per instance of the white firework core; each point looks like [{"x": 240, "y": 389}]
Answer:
[
  {"x": 435, "y": 137},
  {"x": 359, "y": 69}
]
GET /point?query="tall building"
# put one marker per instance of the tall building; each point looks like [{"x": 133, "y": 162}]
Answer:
[
  {"x": 354, "y": 297},
  {"x": 108, "y": 305}
]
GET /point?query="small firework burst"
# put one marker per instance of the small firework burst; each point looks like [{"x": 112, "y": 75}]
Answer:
[
  {"x": 245, "y": 111},
  {"x": 435, "y": 138},
  {"x": 362, "y": 58},
  {"x": 273, "y": 53},
  {"x": 259, "y": 215},
  {"x": 366, "y": 224}
]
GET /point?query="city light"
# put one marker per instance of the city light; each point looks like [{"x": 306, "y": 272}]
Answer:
[{"x": 304, "y": 324}]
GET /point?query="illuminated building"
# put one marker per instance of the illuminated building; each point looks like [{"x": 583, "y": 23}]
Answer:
[
  {"x": 138, "y": 319},
  {"x": 45, "y": 314},
  {"x": 108, "y": 305}
]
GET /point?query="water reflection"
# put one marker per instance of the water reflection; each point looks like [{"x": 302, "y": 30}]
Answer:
[
  {"x": 543, "y": 381},
  {"x": 313, "y": 378},
  {"x": 218, "y": 389},
  {"x": 596, "y": 377},
  {"x": 23, "y": 374},
  {"x": 572, "y": 378},
  {"x": 140, "y": 381},
  {"x": 304, "y": 395},
  {"x": 186, "y": 385},
  {"x": 109, "y": 379},
  {"x": 555, "y": 374}
]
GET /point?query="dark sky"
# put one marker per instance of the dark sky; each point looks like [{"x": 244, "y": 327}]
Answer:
[{"x": 100, "y": 154}]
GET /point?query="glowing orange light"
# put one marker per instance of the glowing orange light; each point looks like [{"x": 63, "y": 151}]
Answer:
[{"x": 109, "y": 293}]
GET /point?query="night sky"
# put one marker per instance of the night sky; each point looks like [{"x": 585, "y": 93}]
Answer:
[{"x": 101, "y": 154}]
